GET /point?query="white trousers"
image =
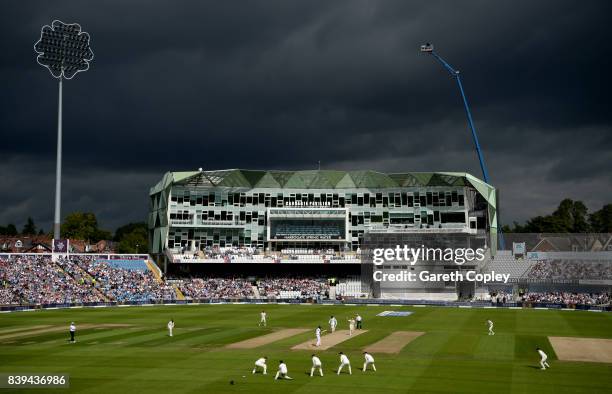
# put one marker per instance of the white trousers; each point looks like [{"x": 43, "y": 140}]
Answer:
[
  {"x": 315, "y": 367},
  {"x": 342, "y": 365},
  {"x": 365, "y": 365},
  {"x": 262, "y": 366}
]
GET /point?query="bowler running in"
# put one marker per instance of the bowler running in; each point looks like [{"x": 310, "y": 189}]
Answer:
[
  {"x": 351, "y": 326},
  {"x": 490, "y": 323},
  {"x": 261, "y": 363},
  {"x": 316, "y": 364}
]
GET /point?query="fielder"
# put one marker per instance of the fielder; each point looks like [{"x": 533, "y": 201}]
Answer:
[
  {"x": 544, "y": 356},
  {"x": 316, "y": 363},
  {"x": 170, "y": 327},
  {"x": 262, "y": 319},
  {"x": 333, "y": 323},
  {"x": 261, "y": 363},
  {"x": 344, "y": 361},
  {"x": 490, "y": 323},
  {"x": 282, "y": 371},
  {"x": 358, "y": 319},
  {"x": 368, "y": 360},
  {"x": 318, "y": 333},
  {"x": 72, "y": 332}
]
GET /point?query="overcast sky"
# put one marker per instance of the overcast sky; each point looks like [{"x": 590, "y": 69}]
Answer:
[{"x": 177, "y": 85}]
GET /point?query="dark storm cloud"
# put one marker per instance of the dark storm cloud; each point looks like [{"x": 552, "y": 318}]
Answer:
[{"x": 282, "y": 84}]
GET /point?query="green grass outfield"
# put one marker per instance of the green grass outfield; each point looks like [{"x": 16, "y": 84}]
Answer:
[{"x": 455, "y": 355}]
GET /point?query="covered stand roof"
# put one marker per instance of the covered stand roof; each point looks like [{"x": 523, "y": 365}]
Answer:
[{"x": 318, "y": 179}]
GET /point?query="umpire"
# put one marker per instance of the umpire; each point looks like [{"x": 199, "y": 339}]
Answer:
[{"x": 72, "y": 331}]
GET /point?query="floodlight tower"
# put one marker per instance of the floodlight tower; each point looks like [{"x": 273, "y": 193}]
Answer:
[
  {"x": 64, "y": 50},
  {"x": 428, "y": 48}
]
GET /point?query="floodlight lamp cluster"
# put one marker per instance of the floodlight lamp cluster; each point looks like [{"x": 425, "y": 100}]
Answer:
[{"x": 63, "y": 49}]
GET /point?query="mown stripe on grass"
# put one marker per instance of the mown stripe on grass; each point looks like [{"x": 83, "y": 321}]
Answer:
[{"x": 162, "y": 337}]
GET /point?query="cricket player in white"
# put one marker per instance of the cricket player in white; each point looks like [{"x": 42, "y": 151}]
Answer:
[
  {"x": 351, "y": 326},
  {"x": 490, "y": 323},
  {"x": 282, "y": 371},
  {"x": 368, "y": 360},
  {"x": 318, "y": 333},
  {"x": 344, "y": 361},
  {"x": 544, "y": 356},
  {"x": 262, "y": 319},
  {"x": 333, "y": 323},
  {"x": 170, "y": 327},
  {"x": 261, "y": 363},
  {"x": 316, "y": 364}
]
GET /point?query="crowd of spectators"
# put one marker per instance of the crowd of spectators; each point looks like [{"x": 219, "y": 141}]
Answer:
[
  {"x": 31, "y": 279},
  {"x": 224, "y": 253},
  {"x": 307, "y": 287},
  {"x": 198, "y": 288},
  {"x": 570, "y": 269},
  {"x": 125, "y": 285},
  {"x": 567, "y": 298},
  {"x": 37, "y": 280}
]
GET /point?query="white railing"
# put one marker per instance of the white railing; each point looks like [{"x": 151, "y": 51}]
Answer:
[
  {"x": 222, "y": 222},
  {"x": 181, "y": 221}
]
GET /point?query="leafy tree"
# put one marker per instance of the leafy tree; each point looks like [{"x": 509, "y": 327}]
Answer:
[
  {"x": 134, "y": 241},
  {"x": 9, "y": 230},
  {"x": 29, "y": 228},
  {"x": 569, "y": 217},
  {"x": 128, "y": 228},
  {"x": 573, "y": 216},
  {"x": 601, "y": 221},
  {"x": 83, "y": 225}
]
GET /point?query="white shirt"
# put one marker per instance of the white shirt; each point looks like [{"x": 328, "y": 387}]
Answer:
[
  {"x": 344, "y": 359},
  {"x": 282, "y": 368},
  {"x": 490, "y": 323},
  {"x": 333, "y": 321},
  {"x": 261, "y": 361},
  {"x": 316, "y": 361},
  {"x": 72, "y": 328},
  {"x": 318, "y": 332},
  {"x": 263, "y": 315},
  {"x": 542, "y": 354},
  {"x": 358, "y": 318},
  {"x": 170, "y": 324},
  {"x": 369, "y": 358}
]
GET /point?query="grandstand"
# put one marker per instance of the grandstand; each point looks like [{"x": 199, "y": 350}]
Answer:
[
  {"x": 504, "y": 261},
  {"x": 269, "y": 211}
]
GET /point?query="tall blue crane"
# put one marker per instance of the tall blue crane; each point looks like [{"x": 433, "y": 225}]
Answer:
[{"x": 428, "y": 48}]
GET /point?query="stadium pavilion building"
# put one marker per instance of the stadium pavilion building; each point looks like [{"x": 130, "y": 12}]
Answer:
[{"x": 322, "y": 210}]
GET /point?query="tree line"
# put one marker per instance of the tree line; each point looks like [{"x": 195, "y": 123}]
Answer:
[
  {"x": 569, "y": 217},
  {"x": 129, "y": 238}
]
